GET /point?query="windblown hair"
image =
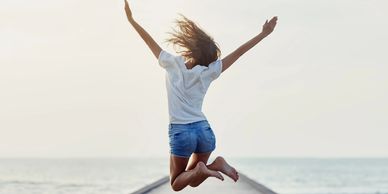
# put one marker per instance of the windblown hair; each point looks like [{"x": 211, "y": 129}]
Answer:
[{"x": 194, "y": 44}]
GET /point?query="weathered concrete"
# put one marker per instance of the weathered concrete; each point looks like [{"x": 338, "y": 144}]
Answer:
[{"x": 244, "y": 185}]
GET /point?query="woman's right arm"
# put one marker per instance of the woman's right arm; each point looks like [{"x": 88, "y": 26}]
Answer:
[{"x": 155, "y": 48}]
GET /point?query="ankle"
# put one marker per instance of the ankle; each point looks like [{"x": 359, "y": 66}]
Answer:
[{"x": 213, "y": 166}]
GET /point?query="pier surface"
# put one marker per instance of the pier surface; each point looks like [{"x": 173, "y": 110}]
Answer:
[{"x": 244, "y": 185}]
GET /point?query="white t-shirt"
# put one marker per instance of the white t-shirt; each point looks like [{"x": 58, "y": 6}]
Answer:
[{"x": 186, "y": 88}]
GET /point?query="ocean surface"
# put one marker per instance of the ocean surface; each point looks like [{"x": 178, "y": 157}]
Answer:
[{"x": 115, "y": 176}]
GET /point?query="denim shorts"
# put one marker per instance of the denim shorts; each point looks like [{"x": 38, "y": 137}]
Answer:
[{"x": 196, "y": 137}]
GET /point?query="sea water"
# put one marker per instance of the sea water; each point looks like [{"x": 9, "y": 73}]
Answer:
[
  {"x": 319, "y": 176},
  {"x": 115, "y": 176}
]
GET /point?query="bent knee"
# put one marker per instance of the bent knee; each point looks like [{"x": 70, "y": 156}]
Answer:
[
  {"x": 175, "y": 188},
  {"x": 193, "y": 185}
]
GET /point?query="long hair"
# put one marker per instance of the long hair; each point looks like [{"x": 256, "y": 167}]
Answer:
[{"x": 194, "y": 44}]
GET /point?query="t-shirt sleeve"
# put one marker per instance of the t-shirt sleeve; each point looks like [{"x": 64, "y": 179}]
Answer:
[
  {"x": 166, "y": 59},
  {"x": 214, "y": 70}
]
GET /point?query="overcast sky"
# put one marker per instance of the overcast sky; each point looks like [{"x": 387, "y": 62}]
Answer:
[{"x": 77, "y": 81}]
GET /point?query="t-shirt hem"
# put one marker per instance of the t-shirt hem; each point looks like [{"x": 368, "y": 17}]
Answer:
[{"x": 187, "y": 121}]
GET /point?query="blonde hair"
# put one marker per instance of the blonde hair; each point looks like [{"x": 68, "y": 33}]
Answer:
[{"x": 194, "y": 44}]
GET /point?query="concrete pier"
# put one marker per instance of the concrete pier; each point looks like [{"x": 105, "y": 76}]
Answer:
[{"x": 244, "y": 185}]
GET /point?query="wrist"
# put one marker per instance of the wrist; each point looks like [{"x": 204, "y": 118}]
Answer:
[
  {"x": 263, "y": 34},
  {"x": 131, "y": 20}
]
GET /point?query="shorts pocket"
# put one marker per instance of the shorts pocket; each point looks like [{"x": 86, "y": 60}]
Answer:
[
  {"x": 179, "y": 137},
  {"x": 207, "y": 141},
  {"x": 179, "y": 141},
  {"x": 210, "y": 134}
]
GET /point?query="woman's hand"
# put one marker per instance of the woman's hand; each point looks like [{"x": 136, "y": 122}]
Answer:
[
  {"x": 128, "y": 11},
  {"x": 268, "y": 27},
  {"x": 155, "y": 48}
]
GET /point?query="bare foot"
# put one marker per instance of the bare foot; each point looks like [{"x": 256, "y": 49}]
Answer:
[
  {"x": 220, "y": 164},
  {"x": 202, "y": 171}
]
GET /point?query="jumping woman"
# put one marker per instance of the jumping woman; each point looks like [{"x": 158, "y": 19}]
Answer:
[{"x": 188, "y": 76}]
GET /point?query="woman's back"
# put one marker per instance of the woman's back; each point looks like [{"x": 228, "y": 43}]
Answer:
[{"x": 186, "y": 88}]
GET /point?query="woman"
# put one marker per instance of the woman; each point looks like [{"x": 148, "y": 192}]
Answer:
[{"x": 188, "y": 77}]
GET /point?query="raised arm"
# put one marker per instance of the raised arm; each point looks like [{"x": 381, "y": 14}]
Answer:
[
  {"x": 155, "y": 48},
  {"x": 268, "y": 28}
]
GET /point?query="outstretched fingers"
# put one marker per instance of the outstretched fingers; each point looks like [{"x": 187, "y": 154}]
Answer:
[
  {"x": 128, "y": 10},
  {"x": 274, "y": 19},
  {"x": 273, "y": 22}
]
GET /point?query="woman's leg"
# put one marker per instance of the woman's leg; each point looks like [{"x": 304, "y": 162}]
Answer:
[
  {"x": 206, "y": 142},
  {"x": 219, "y": 164},
  {"x": 179, "y": 178},
  {"x": 194, "y": 159}
]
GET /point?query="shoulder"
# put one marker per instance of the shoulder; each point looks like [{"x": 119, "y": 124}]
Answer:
[
  {"x": 167, "y": 59},
  {"x": 215, "y": 67},
  {"x": 214, "y": 70}
]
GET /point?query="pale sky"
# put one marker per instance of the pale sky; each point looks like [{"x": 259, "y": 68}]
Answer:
[{"x": 77, "y": 81}]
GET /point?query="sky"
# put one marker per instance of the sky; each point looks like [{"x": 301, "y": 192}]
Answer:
[{"x": 77, "y": 81}]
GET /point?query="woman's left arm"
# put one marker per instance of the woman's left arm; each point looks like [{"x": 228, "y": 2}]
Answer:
[
  {"x": 155, "y": 48},
  {"x": 268, "y": 28}
]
